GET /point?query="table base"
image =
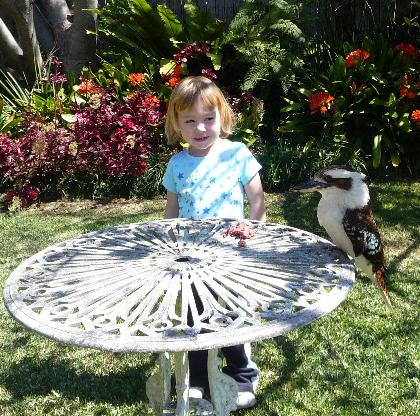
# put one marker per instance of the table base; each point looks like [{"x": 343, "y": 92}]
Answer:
[{"x": 223, "y": 388}]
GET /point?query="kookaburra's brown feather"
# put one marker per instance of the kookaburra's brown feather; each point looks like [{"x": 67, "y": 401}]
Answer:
[{"x": 345, "y": 214}]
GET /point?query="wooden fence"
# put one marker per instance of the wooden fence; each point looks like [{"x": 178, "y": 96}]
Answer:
[{"x": 340, "y": 17}]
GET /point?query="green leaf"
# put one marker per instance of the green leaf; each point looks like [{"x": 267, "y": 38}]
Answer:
[
  {"x": 292, "y": 107},
  {"x": 392, "y": 99},
  {"x": 378, "y": 101},
  {"x": 411, "y": 22},
  {"x": 340, "y": 101},
  {"x": 376, "y": 151},
  {"x": 70, "y": 118},
  {"x": 395, "y": 158},
  {"x": 197, "y": 21},
  {"x": 216, "y": 60},
  {"x": 166, "y": 66},
  {"x": 305, "y": 92},
  {"x": 404, "y": 123},
  {"x": 338, "y": 69},
  {"x": 9, "y": 123},
  {"x": 172, "y": 25}
]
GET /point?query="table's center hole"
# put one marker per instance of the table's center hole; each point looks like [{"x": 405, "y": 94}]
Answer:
[{"x": 183, "y": 259}]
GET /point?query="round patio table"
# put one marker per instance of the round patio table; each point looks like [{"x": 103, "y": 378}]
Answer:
[{"x": 130, "y": 288}]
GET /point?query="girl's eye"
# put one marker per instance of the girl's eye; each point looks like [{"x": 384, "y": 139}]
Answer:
[
  {"x": 189, "y": 121},
  {"x": 210, "y": 118}
]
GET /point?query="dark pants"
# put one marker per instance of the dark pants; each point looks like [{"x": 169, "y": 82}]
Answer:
[{"x": 236, "y": 361}]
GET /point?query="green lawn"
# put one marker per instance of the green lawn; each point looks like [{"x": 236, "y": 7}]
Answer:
[{"x": 360, "y": 359}]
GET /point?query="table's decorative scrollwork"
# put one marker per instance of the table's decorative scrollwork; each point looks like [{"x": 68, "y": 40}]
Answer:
[{"x": 131, "y": 287}]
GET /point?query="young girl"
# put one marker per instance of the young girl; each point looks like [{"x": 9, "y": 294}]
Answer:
[{"x": 208, "y": 180}]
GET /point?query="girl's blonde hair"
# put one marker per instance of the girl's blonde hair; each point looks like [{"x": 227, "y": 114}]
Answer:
[{"x": 186, "y": 94}]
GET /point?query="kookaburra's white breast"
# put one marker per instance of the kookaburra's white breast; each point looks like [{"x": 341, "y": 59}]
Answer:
[{"x": 330, "y": 216}]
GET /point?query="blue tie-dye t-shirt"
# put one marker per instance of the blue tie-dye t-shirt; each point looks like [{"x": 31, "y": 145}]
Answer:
[{"x": 211, "y": 186}]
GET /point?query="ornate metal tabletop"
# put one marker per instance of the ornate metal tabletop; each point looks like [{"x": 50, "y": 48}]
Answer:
[{"x": 129, "y": 288}]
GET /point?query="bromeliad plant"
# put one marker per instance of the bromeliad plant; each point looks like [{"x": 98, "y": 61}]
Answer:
[{"x": 365, "y": 101}]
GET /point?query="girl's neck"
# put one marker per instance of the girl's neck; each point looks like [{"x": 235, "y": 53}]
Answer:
[{"x": 204, "y": 152}]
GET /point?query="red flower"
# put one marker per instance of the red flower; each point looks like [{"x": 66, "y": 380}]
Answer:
[
  {"x": 415, "y": 117},
  {"x": 136, "y": 79},
  {"x": 408, "y": 51},
  {"x": 356, "y": 57},
  {"x": 321, "y": 101}
]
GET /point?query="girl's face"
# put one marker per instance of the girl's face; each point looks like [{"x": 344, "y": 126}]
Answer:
[{"x": 199, "y": 127}]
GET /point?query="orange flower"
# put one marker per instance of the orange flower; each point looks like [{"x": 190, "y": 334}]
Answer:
[
  {"x": 403, "y": 91},
  {"x": 355, "y": 57},
  {"x": 88, "y": 86},
  {"x": 415, "y": 117},
  {"x": 175, "y": 77},
  {"x": 321, "y": 101},
  {"x": 406, "y": 90},
  {"x": 136, "y": 79},
  {"x": 150, "y": 101},
  {"x": 408, "y": 51},
  {"x": 171, "y": 82}
]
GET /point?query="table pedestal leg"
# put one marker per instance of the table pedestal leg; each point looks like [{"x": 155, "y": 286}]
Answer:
[
  {"x": 223, "y": 388},
  {"x": 158, "y": 386},
  {"x": 182, "y": 376}
]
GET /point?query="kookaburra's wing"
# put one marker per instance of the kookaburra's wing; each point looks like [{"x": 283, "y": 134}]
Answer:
[{"x": 363, "y": 233}]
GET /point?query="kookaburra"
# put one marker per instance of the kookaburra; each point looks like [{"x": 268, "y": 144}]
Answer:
[{"x": 345, "y": 214}]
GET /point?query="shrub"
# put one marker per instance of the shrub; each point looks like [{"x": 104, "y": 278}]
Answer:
[
  {"x": 35, "y": 160},
  {"x": 364, "y": 101},
  {"x": 115, "y": 137}
]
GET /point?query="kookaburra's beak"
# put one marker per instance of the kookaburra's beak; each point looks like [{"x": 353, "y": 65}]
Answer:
[{"x": 310, "y": 185}]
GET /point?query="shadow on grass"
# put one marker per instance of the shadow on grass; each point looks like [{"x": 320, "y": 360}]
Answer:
[
  {"x": 288, "y": 349},
  {"x": 405, "y": 208},
  {"x": 300, "y": 211},
  {"x": 30, "y": 378},
  {"x": 333, "y": 379}
]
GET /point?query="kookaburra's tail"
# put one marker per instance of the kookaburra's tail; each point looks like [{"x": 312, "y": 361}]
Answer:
[{"x": 379, "y": 279}]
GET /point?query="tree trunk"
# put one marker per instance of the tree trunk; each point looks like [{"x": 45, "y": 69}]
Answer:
[
  {"x": 78, "y": 47},
  {"x": 11, "y": 52},
  {"x": 21, "y": 12},
  {"x": 32, "y": 31}
]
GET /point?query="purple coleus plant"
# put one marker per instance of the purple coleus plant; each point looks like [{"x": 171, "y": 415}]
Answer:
[
  {"x": 37, "y": 152},
  {"x": 114, "y": 137}
]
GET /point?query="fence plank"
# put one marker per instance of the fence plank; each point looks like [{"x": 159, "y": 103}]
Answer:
[{"x": 360, "y": 17}]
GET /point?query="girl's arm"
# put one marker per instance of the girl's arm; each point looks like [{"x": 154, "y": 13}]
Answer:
[
  {"x": 255, "y": 194},
  {"x": 172, "y": 207}
]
